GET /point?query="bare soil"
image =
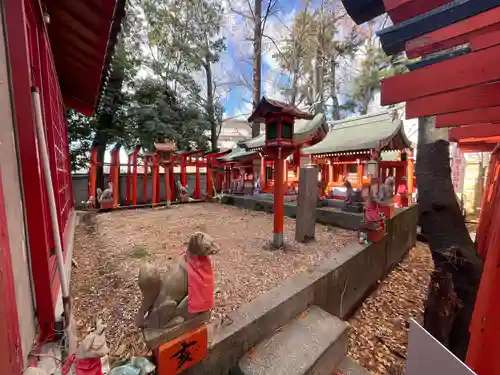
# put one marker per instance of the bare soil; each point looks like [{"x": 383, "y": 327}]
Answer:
[
  {"x": 108, "y": 256},
  {"x": 378, "y": 337}
]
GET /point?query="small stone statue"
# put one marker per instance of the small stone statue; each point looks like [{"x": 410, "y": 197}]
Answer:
[
  {"x": 387, "y": 190},
  {"x": 172, "y": 300},
  {"x": 105, "y": 195},
  {"x": 94, "y": 344}
]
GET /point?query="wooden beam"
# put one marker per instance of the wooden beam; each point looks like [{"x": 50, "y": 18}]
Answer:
[
  {"x": 485, "y": 41},
  {"x": 460, "y": 100},
  {"x": 462, "y": 32},
  {"x": 474, "y": 116},
  {"x": 394, "y": 38},
  {"x": 474, "y": 131},
  {"x": 402, "y": 10},
  {"x": 463, "y": 71},
  {"x": 477, "y": 147}
]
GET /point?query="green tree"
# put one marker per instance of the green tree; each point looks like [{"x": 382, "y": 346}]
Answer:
[
  {"x": 183, "y": 38},
  {"x": 157, "y": 115}
]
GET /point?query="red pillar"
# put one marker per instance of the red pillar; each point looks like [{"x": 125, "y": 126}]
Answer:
[
  {"x": 127, "y": 195},
  {"x": 155, "y": 194},
  {"x": 183, "y": 171},
  {"x": 197, "y": 192},
  {"x": 172, "y": 181},
  {"x": 228, "y": 177},
  {"x": 114, "y": 175},
  {"x": 134, "y": 177},
  {"x": 166, "y": 169},
  {"x": 209, "y": 178},
  {"x": 145, "y": 181},
  {"x": 279, "y": 203}
]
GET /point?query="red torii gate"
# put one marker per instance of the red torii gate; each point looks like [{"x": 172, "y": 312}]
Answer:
[{"x": 462, "y": 92}]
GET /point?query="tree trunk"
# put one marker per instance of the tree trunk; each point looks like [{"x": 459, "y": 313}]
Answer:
[
  {"x": 257, "y": 61},
  {"x": 454, "y": 283},
  {"x": 333, "y": 91},
  {"x": 210, "y": 105}
]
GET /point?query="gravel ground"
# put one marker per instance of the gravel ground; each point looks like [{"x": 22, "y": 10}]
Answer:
[
  {"x": 378, "y": 336},
  {"x": 104, "y": 281}
]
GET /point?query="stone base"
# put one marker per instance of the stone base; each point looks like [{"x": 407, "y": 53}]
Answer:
[{"x": 155, "y": 337}]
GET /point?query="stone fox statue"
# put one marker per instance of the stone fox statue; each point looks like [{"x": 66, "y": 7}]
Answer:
[
  {"x": 107, "y": 194},
  {"x": 387, "y": 190},
  {"x": 165, "y": 297}
]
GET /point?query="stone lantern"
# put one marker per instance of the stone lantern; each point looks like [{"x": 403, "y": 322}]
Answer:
[{"x": 279, "y": 119}]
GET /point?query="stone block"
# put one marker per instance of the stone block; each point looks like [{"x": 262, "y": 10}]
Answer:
[
  {"x": 313, "y": 343},
  {"x": 349, "y": 367},
  {"x": 306, "y": 204}
]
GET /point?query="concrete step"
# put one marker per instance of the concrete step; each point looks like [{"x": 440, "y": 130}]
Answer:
[
  {"x": 349, "y": 367},
  {"x": 314, "y": 343}
]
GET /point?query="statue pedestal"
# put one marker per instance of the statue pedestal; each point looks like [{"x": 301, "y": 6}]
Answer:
[
  {"x": 182, "y": 353},
  {"x": 106, "y": 204},
  {"x": 157, "y": 337}
]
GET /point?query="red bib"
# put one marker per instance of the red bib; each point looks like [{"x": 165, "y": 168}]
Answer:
[{"x": 200, "y": 284}]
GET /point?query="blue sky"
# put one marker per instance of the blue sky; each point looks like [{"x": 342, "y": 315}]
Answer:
[{"x": 237, "y": 100}]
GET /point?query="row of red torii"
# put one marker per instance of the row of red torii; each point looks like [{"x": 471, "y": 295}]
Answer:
[{"x": 343, "y": 152}]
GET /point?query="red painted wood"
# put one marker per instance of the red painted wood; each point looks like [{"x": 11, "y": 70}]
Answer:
[
  {"x": 477, "y": 147},
  {"x": 402, "y": 10},
  {"x": 460, "y": 100},
  {"x": 485, "y": 41},
  {"x": 32, "y": 178},
  {"x": 11, "y": 356},
  {"x": 454, "y": 35},
  {"x": 471, "y": 117},
  {"x": 474, "y": 131},
  {"x": 463, "y": 71},
  {"x": 484, "y": 345}
]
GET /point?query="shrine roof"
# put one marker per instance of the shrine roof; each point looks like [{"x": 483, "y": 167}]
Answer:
[
  {"x": 83, "y": 35},
  {"x": 269, "y": 105},
  {"x": 235, "y": 154},
  {"x": 366, "y": 132},
  {"x": 166, "y": 146},
  {"x": 302, "y": 129}
]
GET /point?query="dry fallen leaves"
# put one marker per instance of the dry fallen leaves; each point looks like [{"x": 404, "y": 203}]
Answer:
[
  {"x": 104, "y": 284},
  {"x": 379, "y": 329}
]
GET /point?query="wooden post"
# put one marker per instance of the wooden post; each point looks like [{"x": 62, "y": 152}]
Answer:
[
  {"x": 93, "y": 174},
  {"x": 279, "y": 204},
  {"x": 331, "y": 172},
  {"x": 197, "y": 192},
  {"x": 183, "y": 171},
  {"x": 228, "y": 177},
  {"x": 114, "y": 174},
  {"x": 145, "y": 181},
  {"x": 263, "y": 177},
  {"x": 166, "y": 171},
  {"x": 410, "y": 173},
  {"x": 360, "y": 173},
  {"x": 127, "y": 195},
  {"x": 209, "y": 177},
  {"x": 172, "y": 181},
  {"x": 134, "y": 177},
  {"x": 155, "y": 172}
]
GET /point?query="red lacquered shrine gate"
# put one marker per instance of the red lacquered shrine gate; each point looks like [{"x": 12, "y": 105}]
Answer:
[{"x": 457, "y": 80}]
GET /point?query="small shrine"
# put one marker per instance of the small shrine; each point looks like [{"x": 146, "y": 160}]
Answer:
[{"x": 345, "y": 153}]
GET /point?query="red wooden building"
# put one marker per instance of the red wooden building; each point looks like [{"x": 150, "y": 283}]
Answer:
[
  {"x": 457, "y": 79},
  {"x": 53, "y": 53}
]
